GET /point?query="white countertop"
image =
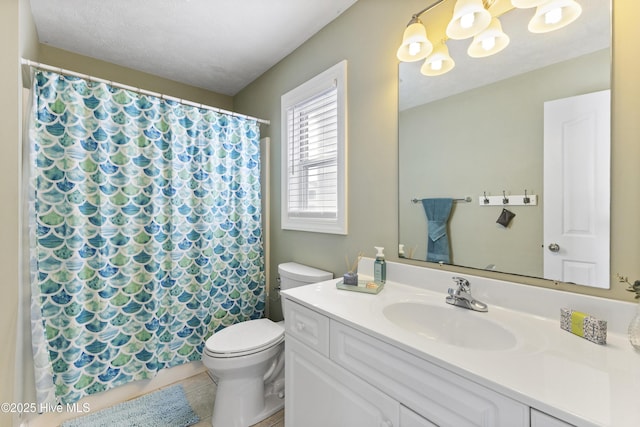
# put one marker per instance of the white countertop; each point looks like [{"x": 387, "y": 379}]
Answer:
[{"x": 548, "y": 368}]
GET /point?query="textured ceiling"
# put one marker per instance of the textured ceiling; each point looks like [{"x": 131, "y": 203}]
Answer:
[{"x": 219, "y": 45}]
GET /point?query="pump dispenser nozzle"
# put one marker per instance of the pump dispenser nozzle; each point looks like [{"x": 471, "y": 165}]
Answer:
[{"x": 380, "y": 250}]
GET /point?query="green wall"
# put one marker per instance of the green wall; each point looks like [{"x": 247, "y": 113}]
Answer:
[
  {"x": 9, "y": 134},
  {"x": 497, "y": 148},
  {"x": 116, "y": 73},
  {"x": 367, "y": 36},
  {"x": 17, "y": 38}
]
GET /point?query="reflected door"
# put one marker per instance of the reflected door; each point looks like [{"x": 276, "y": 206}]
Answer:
[{"x": 577, "y": 141}]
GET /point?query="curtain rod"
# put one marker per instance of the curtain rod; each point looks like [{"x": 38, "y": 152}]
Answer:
[{"x": 46, "y": 67}]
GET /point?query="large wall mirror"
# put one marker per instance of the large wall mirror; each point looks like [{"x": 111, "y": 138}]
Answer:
[{"x": 481, "y": 129}]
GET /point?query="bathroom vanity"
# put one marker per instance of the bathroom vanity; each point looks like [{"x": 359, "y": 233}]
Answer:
[{"x": 406, "y": 358}]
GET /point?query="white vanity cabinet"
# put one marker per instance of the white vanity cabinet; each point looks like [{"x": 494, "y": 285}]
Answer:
[
  {"x": 321, "y": 393},
  {"x": 357, "y": 380},
  {"x": 406, "y": 358}
]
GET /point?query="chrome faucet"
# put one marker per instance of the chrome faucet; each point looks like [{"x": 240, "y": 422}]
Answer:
[{"x": 462, "y": 296}]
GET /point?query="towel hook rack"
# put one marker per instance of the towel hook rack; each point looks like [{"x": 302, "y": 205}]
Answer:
[
  {"x": 512, "y": 200},
  {"x": 505, "y": 199}
]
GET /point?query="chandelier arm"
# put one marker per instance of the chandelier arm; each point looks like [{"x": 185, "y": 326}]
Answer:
[{"x": 416, "y": 15}]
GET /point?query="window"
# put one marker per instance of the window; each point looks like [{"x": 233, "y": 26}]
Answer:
[{"x": 314, "y": 154}]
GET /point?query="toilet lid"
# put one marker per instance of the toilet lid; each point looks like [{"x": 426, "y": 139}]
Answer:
[{"x": 245, "y": 338}]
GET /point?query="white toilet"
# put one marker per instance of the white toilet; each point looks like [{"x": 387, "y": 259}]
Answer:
[{"x": 247, "y": 360}]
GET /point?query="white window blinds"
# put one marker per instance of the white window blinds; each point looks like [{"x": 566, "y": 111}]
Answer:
[
  {"x": 314, "y": 165},
  {"x": 313, "y": 157}
]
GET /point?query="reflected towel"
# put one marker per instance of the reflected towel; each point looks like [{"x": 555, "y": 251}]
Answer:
[{"x": 437, "y": 211}]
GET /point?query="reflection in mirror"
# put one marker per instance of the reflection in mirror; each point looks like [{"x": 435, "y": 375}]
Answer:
[{"x": 481, "y": 129}]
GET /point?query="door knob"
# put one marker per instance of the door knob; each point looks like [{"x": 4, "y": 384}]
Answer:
[{"x": 554, "y": 247}]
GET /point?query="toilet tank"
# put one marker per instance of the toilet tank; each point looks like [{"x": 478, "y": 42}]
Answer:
[{"x": 293, "y": 274}]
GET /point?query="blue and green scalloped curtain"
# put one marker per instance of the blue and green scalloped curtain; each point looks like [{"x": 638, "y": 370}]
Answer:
[{"x": 146, "y": 236}]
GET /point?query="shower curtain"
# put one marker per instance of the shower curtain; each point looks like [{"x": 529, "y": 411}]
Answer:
[{"x": 146, "y": 236}]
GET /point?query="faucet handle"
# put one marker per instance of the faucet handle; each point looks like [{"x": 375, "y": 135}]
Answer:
[{"x": 463, "y": 284}]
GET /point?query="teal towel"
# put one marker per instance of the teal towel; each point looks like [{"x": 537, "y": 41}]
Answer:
[{"x": 437, "y": 211}]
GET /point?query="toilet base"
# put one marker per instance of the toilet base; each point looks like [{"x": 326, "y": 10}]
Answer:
[
  {"x": 272, "y": 404},
  {"x": 234, "y": 414},
  {"x": 250, "y": 389}
]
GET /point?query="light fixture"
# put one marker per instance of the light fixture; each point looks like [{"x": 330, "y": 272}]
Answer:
[
  {"x": 489, "y": 41},
  {"x": 472, "y": 18},
  {"x": 469, "y": 18},
  {"x": 525, "y": 4},
  {"x": 554, "y": 14},
  {"x": 439, "y": 62},
  {"x": 415, "y": 44}
]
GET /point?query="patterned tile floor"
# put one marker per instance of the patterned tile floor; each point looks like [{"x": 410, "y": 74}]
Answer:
[{"x": 200, "y": 391}]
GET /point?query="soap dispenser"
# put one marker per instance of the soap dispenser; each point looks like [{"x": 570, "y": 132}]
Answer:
[{"x": 379, "y": 267}]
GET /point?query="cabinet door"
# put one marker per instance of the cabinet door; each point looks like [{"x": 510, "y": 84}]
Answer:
[
  {"x": 446, "y": 399},
  {"x": 540, "y": 419},
  {"x": 306, "y": 325},
  {"x": 408, "y": 418},
  {"x": 319, "y": 393}
]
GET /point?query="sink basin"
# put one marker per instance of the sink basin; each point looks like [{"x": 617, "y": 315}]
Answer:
[{"x": 450, "y": 325}]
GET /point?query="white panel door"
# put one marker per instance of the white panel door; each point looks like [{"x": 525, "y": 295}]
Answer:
[{"x": 577, "y": 140}]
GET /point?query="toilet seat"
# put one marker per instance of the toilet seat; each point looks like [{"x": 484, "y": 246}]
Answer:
[{"x": 244, "y": 338}]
